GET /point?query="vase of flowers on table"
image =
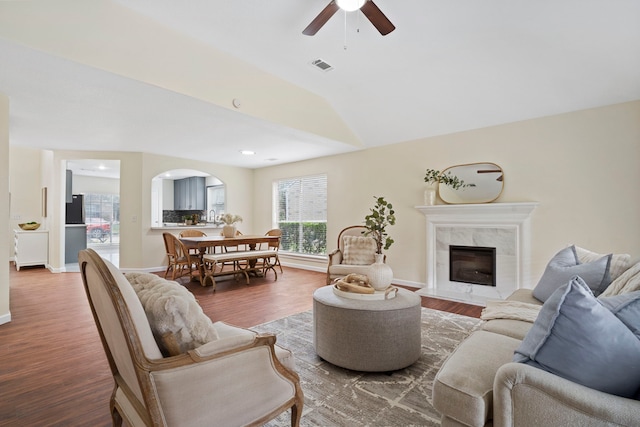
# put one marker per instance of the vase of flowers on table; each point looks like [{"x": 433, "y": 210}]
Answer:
[{"x": 229, "y": 220}]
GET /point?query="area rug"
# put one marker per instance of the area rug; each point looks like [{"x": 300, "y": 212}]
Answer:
[{"x": 337, "y": 397}]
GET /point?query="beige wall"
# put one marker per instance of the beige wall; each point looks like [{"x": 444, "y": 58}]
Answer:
[
  {"x": 5, "y": 236},
  {"x": 239, "y": 201},
  {"x": 25, "y": 170},
  {"x": 581, "y": 167},
  {"x": 141, "y": 247}
]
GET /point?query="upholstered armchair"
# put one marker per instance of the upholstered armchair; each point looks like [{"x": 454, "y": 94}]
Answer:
[
  {"x": 355, "y": 253},
  {"x": 237, "y": 378}
]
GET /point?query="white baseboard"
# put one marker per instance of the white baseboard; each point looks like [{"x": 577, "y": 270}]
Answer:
[
  {"x": 320, "y": 269},
  {"x": 5, "y": 318}
]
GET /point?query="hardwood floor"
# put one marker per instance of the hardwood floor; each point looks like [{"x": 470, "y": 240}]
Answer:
[{"x": 53, "y": 371}]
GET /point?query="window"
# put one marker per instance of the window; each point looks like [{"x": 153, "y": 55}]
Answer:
[{"x": 300, "y": 206}]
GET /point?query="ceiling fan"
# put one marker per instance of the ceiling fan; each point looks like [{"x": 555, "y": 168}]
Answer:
[{"x": 368, "y": 7}]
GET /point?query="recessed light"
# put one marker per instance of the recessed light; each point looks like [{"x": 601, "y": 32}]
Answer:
[{"x": 247, "y": 152}]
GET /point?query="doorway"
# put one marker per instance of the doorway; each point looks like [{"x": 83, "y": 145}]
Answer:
[{"x": 98, "y": 181}]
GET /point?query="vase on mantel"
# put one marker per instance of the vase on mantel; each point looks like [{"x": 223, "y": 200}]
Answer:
[
  {"x": 229, "y": 230},
  {"x": 430, "y": 194},
  {"x": 380, "y": 274}
]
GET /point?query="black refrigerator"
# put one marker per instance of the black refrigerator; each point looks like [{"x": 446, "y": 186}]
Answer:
[{"x": 75, "y": 210}]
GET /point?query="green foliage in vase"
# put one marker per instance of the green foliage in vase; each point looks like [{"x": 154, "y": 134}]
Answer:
[
  {"x": 434, "y": 176},
  {"x": 382, "y": 215}
]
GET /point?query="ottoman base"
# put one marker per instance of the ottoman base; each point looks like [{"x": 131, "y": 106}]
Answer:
[{"x": 369, "y": 336}]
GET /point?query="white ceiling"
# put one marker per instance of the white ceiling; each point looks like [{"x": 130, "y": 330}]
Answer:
[{"x": 449, "y": 66}]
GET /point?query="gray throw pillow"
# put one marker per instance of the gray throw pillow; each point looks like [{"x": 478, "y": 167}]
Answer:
[
  {"x": 564, "y": 265},
  {"x": 577, "y": 338},
  {"x": 625, "y": 307}
]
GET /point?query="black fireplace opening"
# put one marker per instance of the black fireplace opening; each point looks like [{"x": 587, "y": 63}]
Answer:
[{"x": 472, "y": 264}]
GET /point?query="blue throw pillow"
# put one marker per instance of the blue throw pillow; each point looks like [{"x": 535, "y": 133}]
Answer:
[
  {"x": 625, "y": 307},
  {"x": 577, "y": 338},
  {"x": 564, "y": 265}
]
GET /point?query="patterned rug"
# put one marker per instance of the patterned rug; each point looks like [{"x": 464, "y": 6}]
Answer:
[{"x": 339, "y": 397}]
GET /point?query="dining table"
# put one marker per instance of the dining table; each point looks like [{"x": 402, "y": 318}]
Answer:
[{"x": 203, "y": 243}]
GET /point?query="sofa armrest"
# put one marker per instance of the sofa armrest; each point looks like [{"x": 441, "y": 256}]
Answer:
[{"x": 527, "y": 396}]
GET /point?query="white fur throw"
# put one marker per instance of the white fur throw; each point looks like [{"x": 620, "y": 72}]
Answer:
[
  {"x": 172, "y": 309},
  {"x": 619, "y": 262},
  {"x": 629, "y": 281},
  {"x": 359, "y": 250},
  {"x": 515, "y": 310}
]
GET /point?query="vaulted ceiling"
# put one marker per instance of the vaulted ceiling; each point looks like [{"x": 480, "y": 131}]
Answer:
[{"x": 205, "y": 79}]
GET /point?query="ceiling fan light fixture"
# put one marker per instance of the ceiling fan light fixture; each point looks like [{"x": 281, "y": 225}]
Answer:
[{"x": 350, "y": 5}]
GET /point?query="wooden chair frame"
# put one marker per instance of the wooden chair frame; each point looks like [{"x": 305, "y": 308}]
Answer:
[
  {"x": 179, "y": 261},
  {"x": 149, "y": 411}
]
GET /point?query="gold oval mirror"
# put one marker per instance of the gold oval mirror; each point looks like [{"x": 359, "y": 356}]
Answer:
[{"x": 483, "y": 183}]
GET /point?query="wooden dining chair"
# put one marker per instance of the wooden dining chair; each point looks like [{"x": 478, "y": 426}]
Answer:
[
  {"x": 275, "y": 247},
  {"x": 180, "y": 263},
  {"x": 194, "y": 233}
]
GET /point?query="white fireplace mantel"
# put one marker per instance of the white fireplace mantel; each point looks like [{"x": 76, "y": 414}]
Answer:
[{"x": 510, "y": 219}]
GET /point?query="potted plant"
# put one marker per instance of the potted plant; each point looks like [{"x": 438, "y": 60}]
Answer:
[
  {"x": 434, "y": 177},
  {"x": 229, "y": 221},
  {"x": 382, "y": 215}
]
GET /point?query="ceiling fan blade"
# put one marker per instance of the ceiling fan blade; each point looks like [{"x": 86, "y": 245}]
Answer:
[
  {"x": 377, "y": 18},
  {"x": 321, "y": 19}
]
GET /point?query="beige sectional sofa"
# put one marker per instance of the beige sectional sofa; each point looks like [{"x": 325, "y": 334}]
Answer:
[{"x": 480, "y": 385}]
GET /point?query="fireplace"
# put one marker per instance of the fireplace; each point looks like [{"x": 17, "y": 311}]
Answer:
[
  {"x": 472, "y": 264},
  {"x": 503, "y": 226}
]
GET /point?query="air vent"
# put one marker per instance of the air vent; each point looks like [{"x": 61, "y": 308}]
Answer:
[{"x": 321, "y": 65}]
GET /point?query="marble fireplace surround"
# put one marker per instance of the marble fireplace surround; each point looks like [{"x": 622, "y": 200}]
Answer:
[{"x": 505, "y": 226}]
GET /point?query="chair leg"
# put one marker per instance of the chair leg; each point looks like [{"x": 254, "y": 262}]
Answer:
[
  {"x": 296, "y": 415},
  {"x": 116, "y": 417}
]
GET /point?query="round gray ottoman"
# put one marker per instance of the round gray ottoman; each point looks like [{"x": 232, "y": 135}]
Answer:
[{"x": 367, "y": 335}]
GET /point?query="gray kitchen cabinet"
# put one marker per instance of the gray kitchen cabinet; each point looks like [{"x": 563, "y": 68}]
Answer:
[
  {"x": 75, "y": 240},
  {"x": 189, "y": 194}
]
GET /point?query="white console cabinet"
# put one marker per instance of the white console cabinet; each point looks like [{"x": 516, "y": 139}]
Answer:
[{"x": 31, "y": 247}]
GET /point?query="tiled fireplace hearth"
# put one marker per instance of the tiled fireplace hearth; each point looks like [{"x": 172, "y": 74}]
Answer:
[{"x": 503, "y": 226}]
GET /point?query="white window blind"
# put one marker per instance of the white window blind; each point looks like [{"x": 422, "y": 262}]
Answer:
[{"x": 300, "y": 210}]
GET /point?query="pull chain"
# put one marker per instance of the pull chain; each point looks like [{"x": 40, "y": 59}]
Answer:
[{"x": 345, "y": 30}]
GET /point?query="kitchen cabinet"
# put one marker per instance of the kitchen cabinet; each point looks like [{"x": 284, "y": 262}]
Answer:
[
  {"x": 75, "y": 240},
  {"x": 189, "y": 194},
  {"x": 30, "y": 247}
]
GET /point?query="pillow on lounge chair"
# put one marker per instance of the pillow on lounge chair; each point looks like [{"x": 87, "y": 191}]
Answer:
[
  {"x": 176, "y": 319},
  {"x": 564, "y": 265},
  {"x": 578, "y": 338},
  {"x": 359, "y": 250}
]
